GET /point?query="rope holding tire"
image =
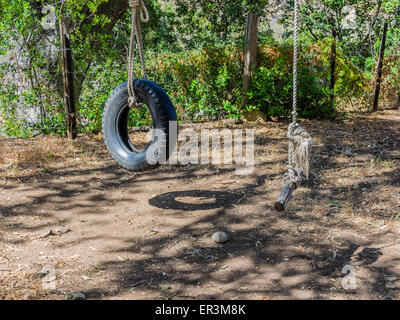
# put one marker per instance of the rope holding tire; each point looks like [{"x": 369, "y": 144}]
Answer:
[
  {"x": 133, "y": 94},
  {"x": 139, "y": 14}
]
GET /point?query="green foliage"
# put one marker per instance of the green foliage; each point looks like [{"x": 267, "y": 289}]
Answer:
[
  {"x": 204, "y": 23},
  {"x": 204, "y": 84},
  {"x": 194, "y": 50},
  {"x": 350, "y": 80},
  {"x": 272, "y": 88}
]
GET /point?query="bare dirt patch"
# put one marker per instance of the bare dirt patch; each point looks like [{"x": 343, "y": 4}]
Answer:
[{"x": 113, "y": 234}]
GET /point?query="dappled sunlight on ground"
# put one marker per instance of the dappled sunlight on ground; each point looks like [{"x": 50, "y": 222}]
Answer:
[{"x": 112, "y": 234}]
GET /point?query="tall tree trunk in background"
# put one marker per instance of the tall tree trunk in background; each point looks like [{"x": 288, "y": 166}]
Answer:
[
  {"x": 68, "y": 77},
  {"x": 380, "y": 67},
  {"x": 333, "y": 65},
  {"x": 250, "y": 57},
  {"x": 397, "y": 25}
]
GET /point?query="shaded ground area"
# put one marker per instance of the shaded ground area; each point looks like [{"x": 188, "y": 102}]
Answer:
[{"x": 113, "y": 234}]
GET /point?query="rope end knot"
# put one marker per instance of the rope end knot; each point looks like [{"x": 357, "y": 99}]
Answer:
[{"x": 300, "y": 143}]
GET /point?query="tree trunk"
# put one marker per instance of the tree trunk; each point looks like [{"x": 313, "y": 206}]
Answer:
[
  {"x": 68, "y": 80},
  {"x": 114, "y": 10},
  {"x": 250, "y": 58},
  {"x": 397, "y": 25},
  {"x": 380, "y": 67},
  {"x": 333, "y": 65}
]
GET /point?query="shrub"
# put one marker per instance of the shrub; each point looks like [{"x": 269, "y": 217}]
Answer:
[
  {"x": 272, "y": 88},
  {"x": 203, "y": 85}
]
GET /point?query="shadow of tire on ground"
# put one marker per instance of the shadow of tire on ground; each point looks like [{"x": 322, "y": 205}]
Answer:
[{"x": 196, "y": 200}]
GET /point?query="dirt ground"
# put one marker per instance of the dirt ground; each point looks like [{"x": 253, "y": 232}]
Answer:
[{"x": 113, "y": 234}]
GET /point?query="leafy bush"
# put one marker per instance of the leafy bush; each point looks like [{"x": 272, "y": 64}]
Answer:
[
  {"x": 204, "y": 84},
  {"x": 272, "y": 88},
  {"x": 351, "y": 82}
]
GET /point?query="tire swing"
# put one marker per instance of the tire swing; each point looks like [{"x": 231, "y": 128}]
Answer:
[
  {"x": 300, "y": 140},
  {"x": 133, "y": 94}
]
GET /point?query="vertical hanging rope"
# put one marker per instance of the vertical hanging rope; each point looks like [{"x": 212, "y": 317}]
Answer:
[
  {"x": 295, "y": 58},
  {"x": 299, "y": 139},
  {"x": 139, "y": 14}
]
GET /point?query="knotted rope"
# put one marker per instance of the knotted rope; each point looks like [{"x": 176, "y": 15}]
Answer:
[
  {"x": 139, "y": 14},
  {"x": 299, "y": 139},
  {"x": 299, "y": 154}
]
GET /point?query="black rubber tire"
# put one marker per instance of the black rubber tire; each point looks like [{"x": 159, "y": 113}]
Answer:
[{"x": 115, "y": 126}]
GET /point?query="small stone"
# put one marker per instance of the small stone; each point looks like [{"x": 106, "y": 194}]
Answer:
[
  {"x": 85, "y": 278},
  {"x": 349, "y": 152},
  {"x": 78, "y": 296},
  {"x": 220, "y": 237}
]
